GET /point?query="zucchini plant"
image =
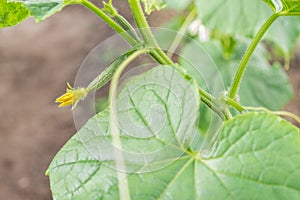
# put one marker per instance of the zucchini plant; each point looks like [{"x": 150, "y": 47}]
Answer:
[{"x": 195, "y": 126}]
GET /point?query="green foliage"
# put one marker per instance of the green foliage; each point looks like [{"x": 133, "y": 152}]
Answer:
[
  {"x": 157, "y": 136},
  {"x": 41, "y": 9},
  {"x": 150, "y": 138},
  {"x": 217, "y": 74},
  {"x": 15, "y": 11},
  {"x": 237, "y": 17},
  {"x": 242, "y": 164},
  {"x": 233, "y": 16},
  {"x": 12, "y": 13},
  {"x": 285, "y": 7}
]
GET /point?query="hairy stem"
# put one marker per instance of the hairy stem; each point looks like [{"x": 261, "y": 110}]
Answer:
[
  {"x": 234, "y": 104},
  {"x": 242, "y": 67},
  {"x": 115, "y": 26},
  {"x": 213, "y": 107},
  {"x": 205, "y": 94},
  {"x": 148, "y": 37},
  {"x": 209, "y": 100},
  {"x": 155, "y": 53}
]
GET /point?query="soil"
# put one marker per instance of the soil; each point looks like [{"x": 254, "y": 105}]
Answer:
[{"x": 36, "y": 61}]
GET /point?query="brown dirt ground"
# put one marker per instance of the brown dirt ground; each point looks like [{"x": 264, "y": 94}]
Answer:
[{"x": 36, "y": 60}]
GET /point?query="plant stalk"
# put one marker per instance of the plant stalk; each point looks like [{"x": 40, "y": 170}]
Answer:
[
  {"x": 155, "y": 53},
  {"x": 234, "y": 104},
  {"x": 208, "y": 100},
  {"x": 147, "y": 35},
  {"x": 213, "y": 107},
  {"x": 115, "y": 26},
  {"x": 242, "y": 67}
]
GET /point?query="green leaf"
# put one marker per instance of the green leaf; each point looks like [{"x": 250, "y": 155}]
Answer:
[
  {"x": 263, "y": 84},
  {"x": 256, "y": 156},
  {"x": 41, "y": 9},
  {"x": 240, "y": 166},
  {"x": 12, "y": 13},
  {"x": 236, "y": 17},
  {"x": 152, "y": 5},
  {"x": 233, "y": 16},
  {"x": 285, "y": 7},
  {"x": 157, "y": 117}
]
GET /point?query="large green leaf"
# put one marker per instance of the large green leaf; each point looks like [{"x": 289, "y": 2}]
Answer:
[
  {"x": 41, "y": 9},
  {"x": 157, "y": 117},
  {"x": 12, "y": 13},
  {"x": 243, "y": 17},
  {"x": 285, "y": 7},
  {"x": 263, "y": 84},
  {"x": 233, "y": 16},
  {"x": 256, "y": 156}
]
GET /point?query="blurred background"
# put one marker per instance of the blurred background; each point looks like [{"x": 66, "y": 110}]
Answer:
[{"x": 36, "y": 61}]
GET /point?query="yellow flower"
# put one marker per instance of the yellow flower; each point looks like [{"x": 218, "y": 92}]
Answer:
[{"x": 72, "y": 96}]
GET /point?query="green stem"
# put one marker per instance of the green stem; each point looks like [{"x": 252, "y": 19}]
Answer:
[
  {"x": 147, "y": 35},
  {"x": 157, "y": 57},
  {"x": 241, "y": 69},
  {"x": 110, "y": 22},
  {"x": 124, "y": 193},
  {"x": 213, "y": 107},
  {"x": 119, "y": 29},
  {"x": 205, "y": 94},
  {"x": 209, "y": 100},
  {"x": 234, "y": 104},
  {"x": 228, "y": 114}
]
